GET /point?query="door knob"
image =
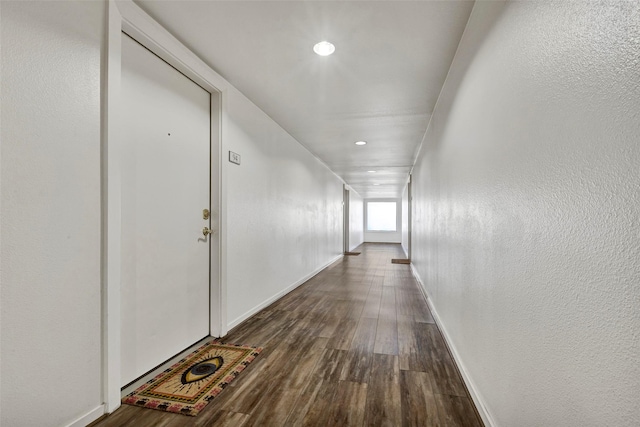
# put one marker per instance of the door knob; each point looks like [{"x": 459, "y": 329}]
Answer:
[{"x": 206, "y": 231}]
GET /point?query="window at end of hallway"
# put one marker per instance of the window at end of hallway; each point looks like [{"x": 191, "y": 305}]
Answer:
[{"x": 381, "y": 216}]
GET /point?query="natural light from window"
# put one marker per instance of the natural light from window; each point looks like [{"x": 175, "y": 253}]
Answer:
[{"x": 381, "y": 216}]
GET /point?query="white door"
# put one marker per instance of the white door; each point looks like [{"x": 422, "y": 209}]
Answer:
[{"x": 165, "y": 188}]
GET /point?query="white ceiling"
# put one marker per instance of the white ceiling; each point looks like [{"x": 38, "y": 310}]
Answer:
[{"x": 380, "y": 85}]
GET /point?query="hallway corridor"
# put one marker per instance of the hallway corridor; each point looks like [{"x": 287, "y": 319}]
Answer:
[{"x": 355, "y": 345}]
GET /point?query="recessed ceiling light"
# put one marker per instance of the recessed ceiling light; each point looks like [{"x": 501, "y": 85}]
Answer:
[
  {"x": 371, "y": 171},
  {"x": 376, "y": 184},
  {"x": 361, "y": 143},
  {"x": 324, "y": 48}
]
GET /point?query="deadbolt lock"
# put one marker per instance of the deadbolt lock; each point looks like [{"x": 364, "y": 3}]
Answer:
[{"x": 206, "y": 214}]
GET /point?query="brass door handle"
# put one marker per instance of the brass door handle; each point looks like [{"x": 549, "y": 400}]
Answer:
[{"x": 206, "y": 231}]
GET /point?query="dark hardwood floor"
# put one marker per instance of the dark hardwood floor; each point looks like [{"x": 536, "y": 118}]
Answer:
[{"x": 355, "y": 345}]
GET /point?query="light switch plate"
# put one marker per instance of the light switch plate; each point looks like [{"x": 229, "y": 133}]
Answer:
[{"x": 234, "y": 157}]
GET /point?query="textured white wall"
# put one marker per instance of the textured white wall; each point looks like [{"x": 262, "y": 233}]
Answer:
[
  {"x": 50, "y": 220},
  {"x": 526, "y": 211},
  {"x": 284, "y": 209},
  {"x": 356, "y": 220}
]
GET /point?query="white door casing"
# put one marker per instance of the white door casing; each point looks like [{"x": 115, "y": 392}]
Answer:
[
  {"x": 126, "y": 16},
  {"x": 345, "y": 219},
  {"x": 165, "y": 187}
]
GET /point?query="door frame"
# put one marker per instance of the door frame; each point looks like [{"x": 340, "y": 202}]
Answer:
[
  {"x": 125, "y": 16},
  {"x": 409, "y": 215},
  {"x": 345, "y": 218}
]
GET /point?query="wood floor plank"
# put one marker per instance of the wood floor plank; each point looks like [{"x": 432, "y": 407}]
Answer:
[
  {"x": 263, "y": 333},
  {"x": 131, "y": 416},
  {"x": 408, "y": 352},
  {"x": 248, "y": 394},
  {"x": 404, "y": 303},
  {"x": 284, "y": 391},
  {"x": 419, "y": 403},
  {"x": 329, "y": 325},
  {"x": 255, "y": 387},
  {"x": 388, "y": 303},
  {"x": 456, "y": 411},
  {"x": 310, "y": 324},
  {"x": 349, "y": 404},
  {"x": 331, "y": 364},
  {"x": 307, "y": 304},
  {"x": 386, "y": 337},
  {"x": 355, "y": 309},
  {"x": 364, "y": 337},
  {"x": 304, "y": 402},
  {"x": 439, "y": 362},
  {"x": 357, "y": 367},
  {"x": 355, "y": 345},
  {"x": 222, "y": 419},
  {"x": 343, "y": 336},
  {"x": 378, "y": 280},
  {"x": 419, "y": 350},
  {"x": 372, "y": 304},
  {"x": 320, "y": 409},
  {"x": 384, "y": 406},
  {"x": 447, "y": 379}
]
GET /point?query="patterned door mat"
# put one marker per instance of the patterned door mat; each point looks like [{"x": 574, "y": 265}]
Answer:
[{"x": 190, "y": 384}]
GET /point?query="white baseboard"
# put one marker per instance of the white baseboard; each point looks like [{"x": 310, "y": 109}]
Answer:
[
  {"x": 279, "y": 295},
  {"x": 88, "y": 418},
  {"x": 473, "y": 391},
  {"x": 419, "y": 280}
]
